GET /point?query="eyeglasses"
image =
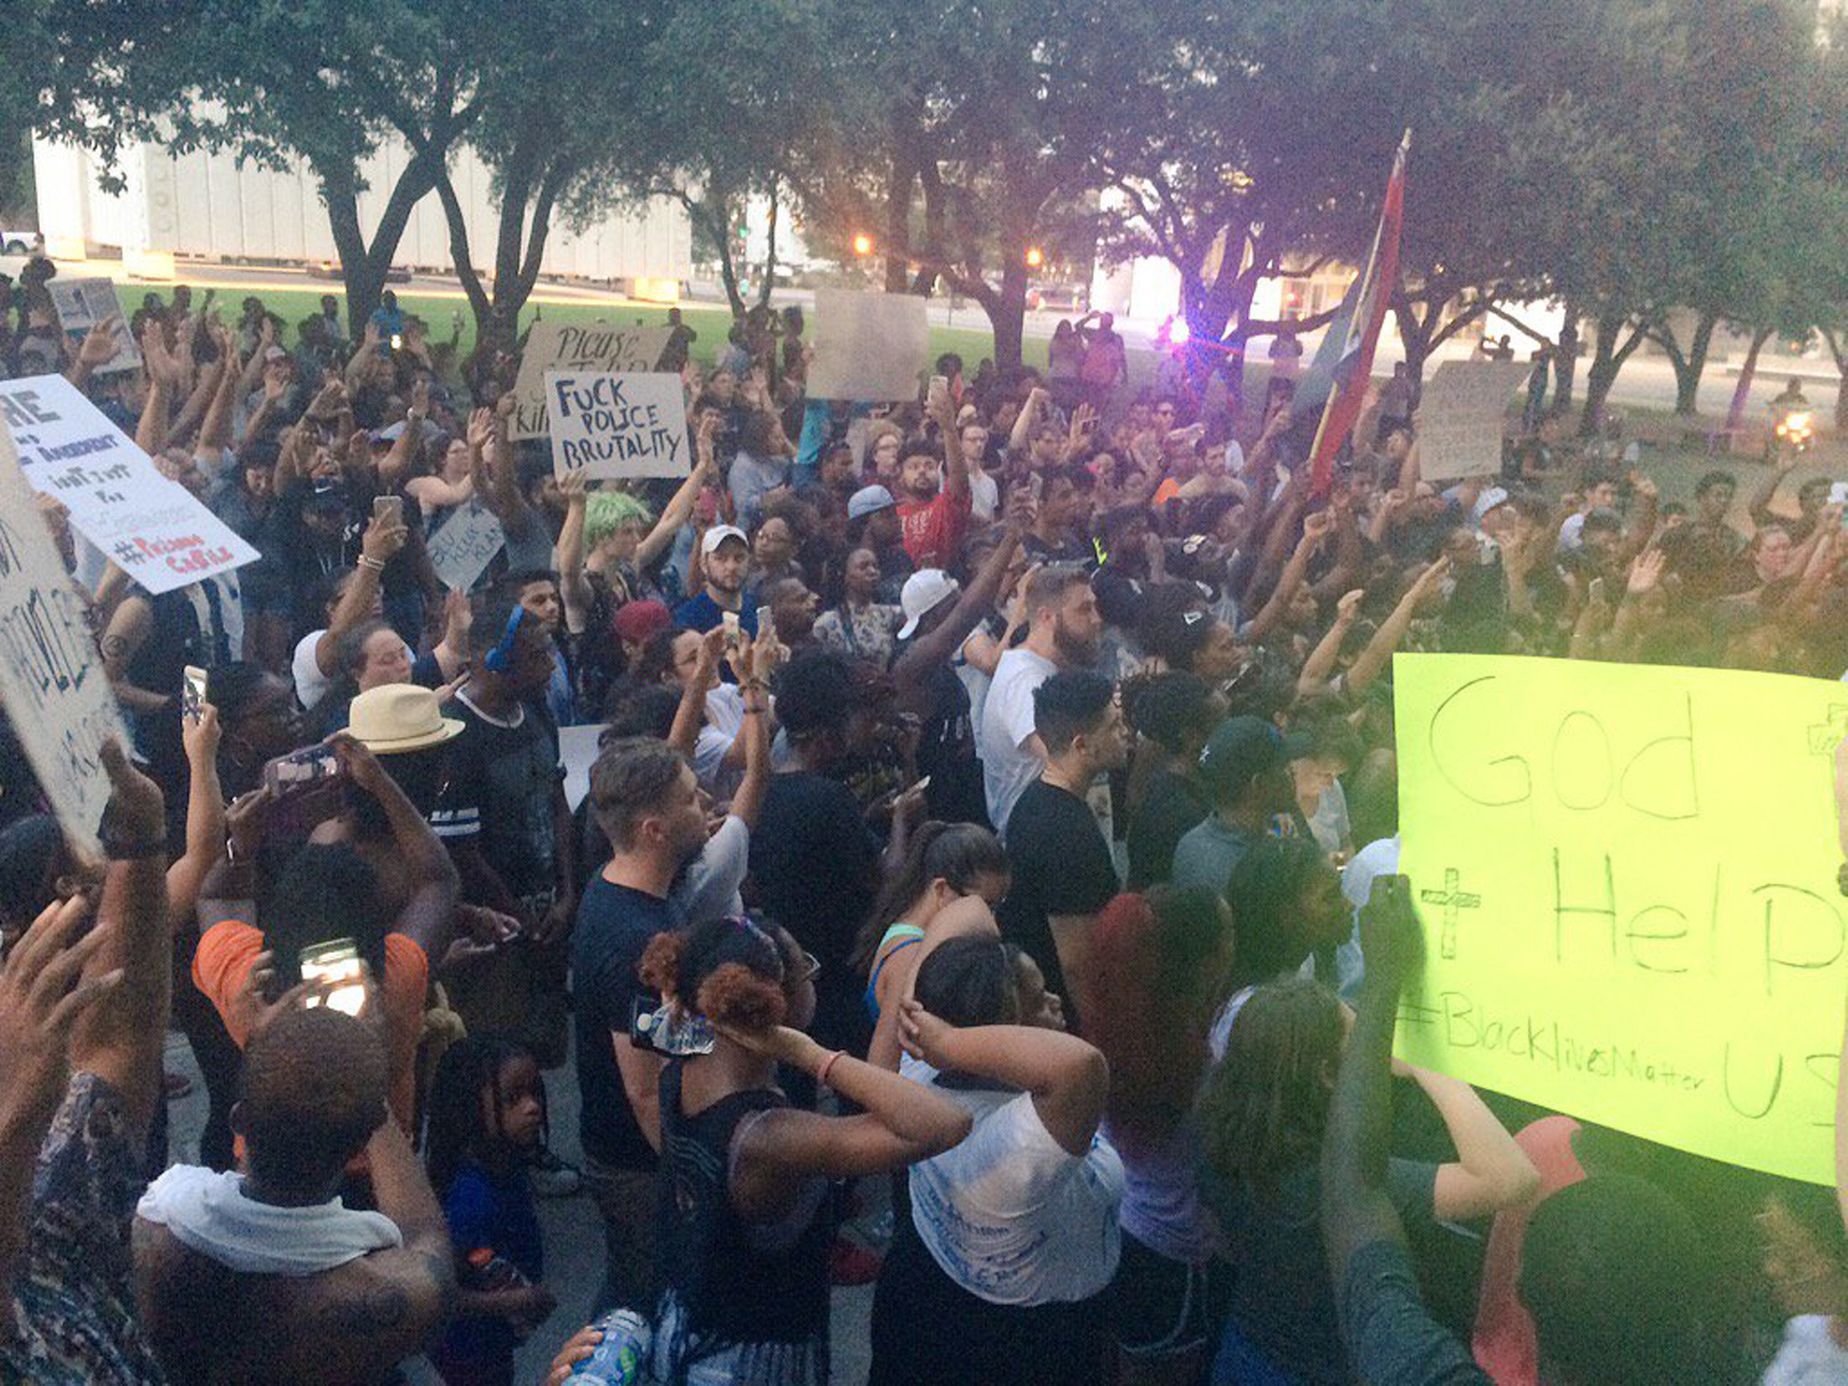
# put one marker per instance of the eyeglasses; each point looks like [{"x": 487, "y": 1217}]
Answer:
[{"x": 810, "y": 969}]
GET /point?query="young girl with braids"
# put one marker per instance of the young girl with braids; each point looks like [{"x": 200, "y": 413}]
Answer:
[
  {"x": 744, "y": 1175},
  {"x": 486, "y": 1118},
  {"x": 952, "y": 877}
]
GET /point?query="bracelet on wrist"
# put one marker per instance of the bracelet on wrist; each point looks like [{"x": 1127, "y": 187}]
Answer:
[
  {"x": 827, "y": 1066},
  {"x": 368, "y": 561}
]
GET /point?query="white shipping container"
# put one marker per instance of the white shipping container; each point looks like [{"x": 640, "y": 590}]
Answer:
[{"x": 212, "y": 206}]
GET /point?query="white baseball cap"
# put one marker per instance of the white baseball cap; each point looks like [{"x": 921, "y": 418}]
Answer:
[
  {"x": 923, "y": 593},
  {"x": 717, "y": 535}
]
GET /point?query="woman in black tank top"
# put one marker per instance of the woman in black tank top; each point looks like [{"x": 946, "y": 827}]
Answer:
[{"x": 744, "y": 1238}]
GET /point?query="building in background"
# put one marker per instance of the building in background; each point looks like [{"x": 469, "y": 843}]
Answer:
[{"x": 207, "y": 206}]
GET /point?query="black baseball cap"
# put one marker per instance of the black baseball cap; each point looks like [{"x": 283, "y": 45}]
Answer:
[{"x": 1242, "y": 748}]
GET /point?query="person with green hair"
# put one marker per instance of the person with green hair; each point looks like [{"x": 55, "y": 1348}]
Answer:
[{"x": 611, "y": 542}]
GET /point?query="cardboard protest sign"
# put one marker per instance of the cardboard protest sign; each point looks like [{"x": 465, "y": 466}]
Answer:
[
  {"x": 51, "y": 676},
  {"x": 1460, "y": 418},
  {"x": 1627, "y": 877},
  {"x": 868, "y": 346},
  {"x": 83, "y": 303},
  {"x": 154, "y": 529},
  {"x": 464, "y": 544},
  {"x": 579, "y": 348},
  {"x": 618, "y": 425}
]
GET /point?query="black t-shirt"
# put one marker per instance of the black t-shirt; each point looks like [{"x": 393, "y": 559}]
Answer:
[
  {"x": 500, "y": 794},
  {"x": 946, "y": 749},
  {"x": 614, "y": 926},
  {"x": 1170, "y": 808},
  {"x": 815, "y": 866},
  {"x": 1061, "y": 865}
]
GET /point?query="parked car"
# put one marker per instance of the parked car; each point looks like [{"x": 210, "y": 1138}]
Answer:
[{"x": 16, "y": 242}]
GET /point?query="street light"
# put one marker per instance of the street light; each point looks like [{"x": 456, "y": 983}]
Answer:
[
  {"x": 862, "y": 243},
  {"x": 1035, "y": 257}
]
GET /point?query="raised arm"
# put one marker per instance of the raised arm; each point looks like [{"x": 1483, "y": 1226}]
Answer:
[
  {"x": 1321, "y": 661},
  {"x": 1491, "y": 1171},
  {"x": 205, "y": 819},
  {"x": 120, "y": 1040},
  {"x": 683, "y": 736},
  {"x": 930, "y": 651},
  {"x": 97, "y": 350},
  {"x": 1759, "y": 507},
  {"x": 428, "y": 915},
  {"x": 1366, "y": 668},
  {"x": 1355, "y": 1209},
  {"x": 1067, "y": 1078},
  {"x": 41, "y": 998},
  {"x": 376, "y": 547},
  {"x": 899, "y": 1123},
  {"x": 1315, "y": 530},
  {"x": 956, "y": 466},
  {"x": 397, "y": 463},
  {"x": 123, "y": 638},
  {"x": 568, "y": 554},
  {"x": 679, "y": 509}
]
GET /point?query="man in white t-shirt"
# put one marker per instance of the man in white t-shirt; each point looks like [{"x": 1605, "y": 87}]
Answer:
[
  {"x": 1064, "y": 633},
  {"x": 984, "y": 491}
]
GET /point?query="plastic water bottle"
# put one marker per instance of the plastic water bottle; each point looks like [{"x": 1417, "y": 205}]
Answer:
[{"x": 620, "y": 1357}]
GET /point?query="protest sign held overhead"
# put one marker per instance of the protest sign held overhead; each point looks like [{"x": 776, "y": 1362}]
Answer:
[
  {"x": 1461, "y": 417},
  {"x": 579, "y": 348},
  {"x": 465, "y": 544},
  {"x": 871, "y": 347},
  {"x": 152, "y": 528},
  {"x": 51, "y": 677},
  {"x": 1627, "y": 877},
  {"x": 82, "y": 304},
  {"x": 618, "y": 425}
]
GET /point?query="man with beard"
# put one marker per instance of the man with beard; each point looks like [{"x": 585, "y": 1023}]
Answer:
[
  {"x": 1064, "y": 634},
  {"x": 724, "y": 554},
  {"x": 650, "y": 806}
]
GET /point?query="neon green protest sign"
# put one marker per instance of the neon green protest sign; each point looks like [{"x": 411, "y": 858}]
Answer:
[{"x": 1627, "y": 877}]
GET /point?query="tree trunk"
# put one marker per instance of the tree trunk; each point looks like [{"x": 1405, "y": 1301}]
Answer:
[
  {"x": 363, "y": 267},
  {"x": 1841, "y": 390},
  {"x": 1607, "y": 360},
  {"x": 1008, "y": 314},
  {"x": 1565, "y": 362},
  {"x": 1735, "y": 416},
  {"x": 1690, "y": 368},
  {"x": 899, "y": 179},
  {"x": 769, "y": 274},
  {"x": 1415, "y": 333}
]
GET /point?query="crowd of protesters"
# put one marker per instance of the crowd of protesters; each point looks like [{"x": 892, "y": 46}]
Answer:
[{"x": 996, "y": 814}]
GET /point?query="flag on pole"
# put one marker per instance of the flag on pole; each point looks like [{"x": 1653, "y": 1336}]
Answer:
[{"x": 1344, "y": 362}]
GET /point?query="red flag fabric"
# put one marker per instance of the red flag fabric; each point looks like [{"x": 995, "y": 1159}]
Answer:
[{"x": 1356, "y": 331}]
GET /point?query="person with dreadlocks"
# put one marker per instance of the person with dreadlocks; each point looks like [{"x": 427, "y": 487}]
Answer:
[{"x": 486, "y": 1118}]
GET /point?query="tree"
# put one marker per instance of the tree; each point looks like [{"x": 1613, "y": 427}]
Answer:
[
  {"x": 320, "y": 81},
  {"x": 987, "y": 121},
  {"x": 554, "y": 114}
]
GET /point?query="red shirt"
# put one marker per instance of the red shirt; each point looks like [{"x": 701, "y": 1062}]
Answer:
[{"x": 933, "y": 529}]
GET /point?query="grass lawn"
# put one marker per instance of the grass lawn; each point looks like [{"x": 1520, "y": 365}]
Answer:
[{"x": 711, "y": 322}]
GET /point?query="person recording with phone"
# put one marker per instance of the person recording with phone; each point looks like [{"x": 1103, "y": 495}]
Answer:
[{"x": 372, "y": 875}]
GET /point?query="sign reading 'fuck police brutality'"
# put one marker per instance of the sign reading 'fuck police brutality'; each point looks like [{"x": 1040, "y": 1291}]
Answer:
[
  {"x": 618, "y": 425},
  {"x": 154, "y": 529},
  {"x": 1627, "y": 877}
]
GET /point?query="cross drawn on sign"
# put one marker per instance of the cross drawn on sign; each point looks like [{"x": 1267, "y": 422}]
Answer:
[
  {"x": 1452, "y": 901},
  {"x": 1827, "y": 734}
]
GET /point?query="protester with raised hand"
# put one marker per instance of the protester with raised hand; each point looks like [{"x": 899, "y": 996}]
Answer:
[{"x": 72, "y": 1303}]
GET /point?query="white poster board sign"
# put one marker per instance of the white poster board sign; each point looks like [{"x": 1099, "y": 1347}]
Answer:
[
  {"x": 618, "y": 425},
  {"x": 81, "y": 305},
  {"x": 51, "y": 676},
  {"x": 869, "y": 347},
  {"x": 154, "y": 529},
  {"x": 1461, "y": 416},
  {"x": 577, "y": 348},
  {"x": 464, "y": 544},
  {"x": 577, "y": 752}
]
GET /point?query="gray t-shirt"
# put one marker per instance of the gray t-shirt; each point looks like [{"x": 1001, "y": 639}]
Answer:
[{"x": 1206, "y": 854}]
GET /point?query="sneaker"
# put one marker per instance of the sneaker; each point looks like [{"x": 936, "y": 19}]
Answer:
[
  {"x": 849, "y": 1263},
  {"x": 553, "y": 1177}
]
